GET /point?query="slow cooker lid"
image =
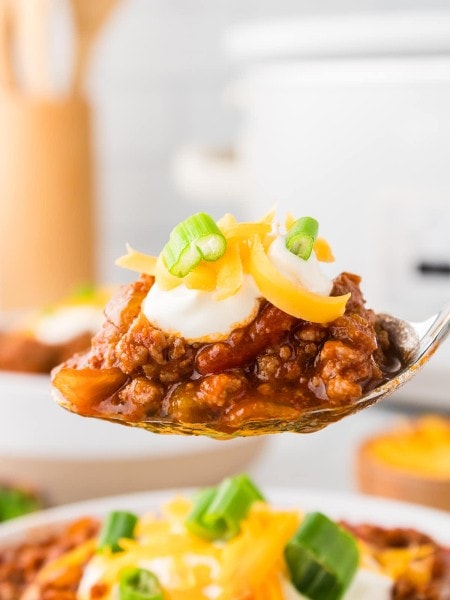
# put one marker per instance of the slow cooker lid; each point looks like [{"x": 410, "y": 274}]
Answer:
[{"x": 368, "y": 34}]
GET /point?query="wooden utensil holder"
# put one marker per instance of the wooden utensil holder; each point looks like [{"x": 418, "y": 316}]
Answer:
[{"x": 46, "y": 199}]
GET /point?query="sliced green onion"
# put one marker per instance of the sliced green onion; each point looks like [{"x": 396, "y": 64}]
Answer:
[
  {"x": 301, "y": 236},
  {"x": 196, "y": 238},
  {"x": 118, "y": 525},
  {"x": 15, "y": 503},
  {"x": 322, "y": 558},
  {"x": 217, "y": 512},
  {"x": 195, "y": 519},
  {"x": 139, "y": 584}
]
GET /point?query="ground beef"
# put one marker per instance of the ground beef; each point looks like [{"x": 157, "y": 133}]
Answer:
[
  {"x": 273, "y": 369},
  {"x": 19, "y": 564},
  {"x": 438, "y": 561}
]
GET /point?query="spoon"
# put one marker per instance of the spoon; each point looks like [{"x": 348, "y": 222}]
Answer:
[
  {"x": 415, "y": 344},
  {"x": 89, "y": 17}
]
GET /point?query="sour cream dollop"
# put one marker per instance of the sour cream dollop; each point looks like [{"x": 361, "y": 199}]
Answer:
[
  {"x": 366, "y": 584},
  {"x": 198, "y": 316},
  {"x": 306, "y": 273}
]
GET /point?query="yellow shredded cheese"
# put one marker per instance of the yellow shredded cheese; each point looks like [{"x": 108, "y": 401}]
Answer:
[
  {"x": 247, "y": 244},
  {"x": 249, "y": 559},
  {"x": 289, "y": 221},
  {"x": 421, "y": 447},
  {"x": 414, "y": 563},
  {"x": 323, "y": 250},
  {"x": 137, "y": 261},
  {"x": 203, "y": 277},
  {"x": 249, "y": 566},
  {"x": 53, "y": 570},
  {"x": 289, "y": 297},
  {"x": 230, "y": 272}
]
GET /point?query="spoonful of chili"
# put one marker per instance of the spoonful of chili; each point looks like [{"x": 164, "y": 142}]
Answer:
[{"x": 234, "y": 331}]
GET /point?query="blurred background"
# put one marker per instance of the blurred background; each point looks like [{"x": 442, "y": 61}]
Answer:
[{"x": 120, "y": 118}]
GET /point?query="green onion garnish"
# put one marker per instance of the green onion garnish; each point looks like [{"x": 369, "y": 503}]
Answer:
[
  {"x": 196, "y": 238},
  {"x": 301, "y": 236},
  {"x": 139, "y": 584},
  {"x": 118, "y": 525},
  {"x": 322, "y": 558},
  {"x": 217, "y": 512},
  {"x": 15, "y": 503}
]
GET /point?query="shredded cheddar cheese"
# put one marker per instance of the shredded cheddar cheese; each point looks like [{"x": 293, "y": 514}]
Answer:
[
  {"x": 289, "y": 297},
  {"x": 251, "y": 565},
  {"x": 323, "y": 251},
  {"x": 248, "y": 566},
  {"x": 421, "y": 447},
  {"x": 138, "y": 261},
  {"x": 246, "y": 254}
]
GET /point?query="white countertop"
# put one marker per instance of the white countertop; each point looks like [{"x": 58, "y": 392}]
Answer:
[{"x": 322, "y": 460}]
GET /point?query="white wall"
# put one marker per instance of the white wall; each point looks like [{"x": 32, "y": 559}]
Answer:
[{"x": 157, "y": 81}]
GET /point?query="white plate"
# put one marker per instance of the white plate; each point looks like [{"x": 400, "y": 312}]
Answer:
[
  {"x": 352, "y": 507},
  {"x": 73, "y": 458}
]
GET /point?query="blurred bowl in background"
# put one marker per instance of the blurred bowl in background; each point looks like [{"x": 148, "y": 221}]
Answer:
[
  {"x": 70, "y": 458},
  {"x": 410, "y": 463}
]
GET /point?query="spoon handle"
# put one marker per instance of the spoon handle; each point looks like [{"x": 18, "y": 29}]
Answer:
[
  {"x": 437, "y": 329},
  {"x": 443, "y": 317}
]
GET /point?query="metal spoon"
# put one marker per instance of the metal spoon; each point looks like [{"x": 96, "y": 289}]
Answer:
[{"x": 415, "y": 343}]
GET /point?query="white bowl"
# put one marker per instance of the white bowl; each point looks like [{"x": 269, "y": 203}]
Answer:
[
  {"x": 73, "y": 458},
  {"x": 354, "y": 508}
]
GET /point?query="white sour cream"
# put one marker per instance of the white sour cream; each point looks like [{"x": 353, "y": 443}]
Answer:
[
  {"x": 67, "y": 322},
  {"x": 306, "y": 273},
  {"x": 92, "y": 574},
  {"x": 196, "y": 315},
  {"x": 369, "y": 585},
  {"x": 366, "y": 584},
  {"x": 162, "y": 567}
]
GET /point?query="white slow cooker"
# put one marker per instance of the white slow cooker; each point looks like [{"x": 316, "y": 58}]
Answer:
[{"x": 347, "y": 119}]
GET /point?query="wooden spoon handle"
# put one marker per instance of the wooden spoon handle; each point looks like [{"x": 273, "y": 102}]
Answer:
[
  {"x": 89, "y": 19},
  {"x": 31, "y": 26}
]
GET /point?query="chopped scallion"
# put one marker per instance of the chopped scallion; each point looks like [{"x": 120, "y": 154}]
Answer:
[
  {"x": 195, "y": 239},
  {"x": 118, "y": 525},
  {"x": 322, "y": 558},
  {"x": 139, "y": 584},
  {"x": 217, "y": 512},
  {"x": 301, "y": 236}
]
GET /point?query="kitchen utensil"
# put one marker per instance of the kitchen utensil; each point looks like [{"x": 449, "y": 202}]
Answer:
[
  {"x": 415, "y": 343},
  {"x": 345, "y": 117},
  {"x": 89, "y": 19},
  {"x": 30, "y": 26}
]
